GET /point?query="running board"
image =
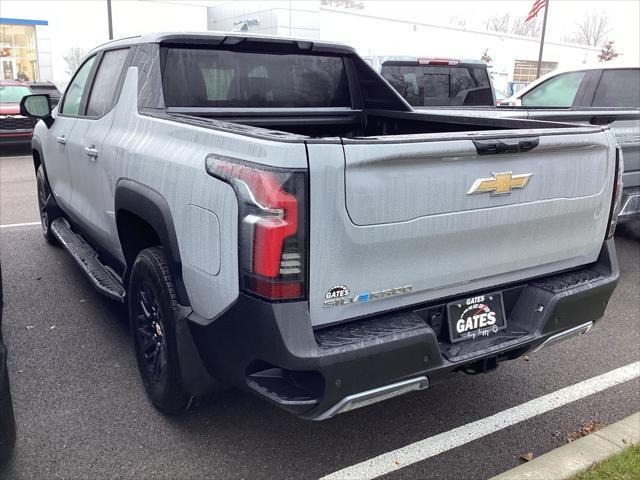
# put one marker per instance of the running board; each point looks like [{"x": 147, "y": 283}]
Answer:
[{"x": 102, "y": 278}]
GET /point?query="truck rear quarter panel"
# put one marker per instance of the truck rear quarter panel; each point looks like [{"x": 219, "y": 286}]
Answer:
[{"x": 169, "y": 157}]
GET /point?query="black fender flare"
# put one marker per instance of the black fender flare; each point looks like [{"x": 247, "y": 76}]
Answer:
[
  {"x": 35, "y": 145},
  {"x": 152, "y": 207}
]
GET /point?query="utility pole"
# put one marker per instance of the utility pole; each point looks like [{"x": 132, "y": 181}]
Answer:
[
  {"x": 544, "y": 28},
  {"x": 111, "y": 23}
]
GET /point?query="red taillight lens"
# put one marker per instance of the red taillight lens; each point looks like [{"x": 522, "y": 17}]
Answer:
[
  {"x": 616, "y": 202},
  {"x": 272, "y": 233}
]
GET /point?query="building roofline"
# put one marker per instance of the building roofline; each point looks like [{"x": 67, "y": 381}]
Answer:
[{"x": 22, "y": 21}]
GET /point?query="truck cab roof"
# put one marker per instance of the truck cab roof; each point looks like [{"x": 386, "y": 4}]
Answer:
[{"x": 225, "y": 39}]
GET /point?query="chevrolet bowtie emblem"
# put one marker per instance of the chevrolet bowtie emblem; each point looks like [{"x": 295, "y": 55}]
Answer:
[{"x": 500, "y": 183}]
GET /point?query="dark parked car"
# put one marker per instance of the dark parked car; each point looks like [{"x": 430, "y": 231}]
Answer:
[
  {"x": 437, "y": 82},
  {"x": 7, "y": 421},
  {"x": 15, "y": 128},
  {"x": 47, "y": 88}
]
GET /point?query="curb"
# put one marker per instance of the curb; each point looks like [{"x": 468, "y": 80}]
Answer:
[{"x": 569, "y": 460}]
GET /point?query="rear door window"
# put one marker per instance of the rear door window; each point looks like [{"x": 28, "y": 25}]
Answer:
[
  {"x": 221, "y": 78},
  {"x": 103, "y": 91},
  {"x": 618, "y": 89},
  {"x": 435, "y": 85},
  {"x": 559, "y": 91}
]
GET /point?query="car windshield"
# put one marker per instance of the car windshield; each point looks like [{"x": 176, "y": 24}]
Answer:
[
  {"x": 500, "y": 95},
  {"x": 435, "y": 85},
  {"x": 12, "y": 93}
]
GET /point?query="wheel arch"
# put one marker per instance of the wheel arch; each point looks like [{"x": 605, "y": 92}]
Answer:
[
  {"x": 137, "y": 202},
  {"x": 36, "y": 154}
]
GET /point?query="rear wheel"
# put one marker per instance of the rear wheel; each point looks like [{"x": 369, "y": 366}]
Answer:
[
  {"x": 46, "y": 213},
  {"x": 152, "y": 303}
]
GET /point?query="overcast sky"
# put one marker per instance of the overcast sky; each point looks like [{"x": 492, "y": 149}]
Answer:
[{"x": 624, "y": 15}]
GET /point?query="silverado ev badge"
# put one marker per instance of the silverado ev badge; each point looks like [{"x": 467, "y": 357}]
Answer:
[
  {"x": 500, "y": 184},
  {"x": 339, "y": 295}
]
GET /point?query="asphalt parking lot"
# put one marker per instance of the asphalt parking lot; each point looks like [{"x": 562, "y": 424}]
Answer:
[{"x": 82, "y": 413}]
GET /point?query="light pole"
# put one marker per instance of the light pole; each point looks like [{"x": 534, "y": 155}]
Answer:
[{"x": 109, "y": 19}]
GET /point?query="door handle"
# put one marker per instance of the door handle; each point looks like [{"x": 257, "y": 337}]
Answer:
[
  {"x": 61, "y": 140},
  {"x": 91, "y": 151}
]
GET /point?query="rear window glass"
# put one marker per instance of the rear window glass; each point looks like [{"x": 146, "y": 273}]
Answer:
[
  {"x": 618, "y": 88},
  {"x": 432, "y": 85},
  {"x": 222, "y": 78}
]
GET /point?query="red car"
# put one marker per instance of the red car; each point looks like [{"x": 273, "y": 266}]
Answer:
[{"x": 14, "y": 128}]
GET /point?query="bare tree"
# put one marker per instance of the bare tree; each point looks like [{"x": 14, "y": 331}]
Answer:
[
  {"x": 73, "y": 58},
  {"x": 457, "y": 21},
  {"x": 592, "y": 30},
  {"x": 532, "y": 28},
  {"x": 486, "y": 58},
  {"x": 608, "y": 53},
  {"x": 516, "y": 26},
  {"x": 499, "y": 23}
]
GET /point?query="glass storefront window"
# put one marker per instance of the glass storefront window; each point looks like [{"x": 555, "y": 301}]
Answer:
[{"x": 18, "y": 59}]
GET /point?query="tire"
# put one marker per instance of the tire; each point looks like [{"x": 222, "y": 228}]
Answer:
[
  {"x": 47, "y": 215},
  {"x": 152, "y": 303}
]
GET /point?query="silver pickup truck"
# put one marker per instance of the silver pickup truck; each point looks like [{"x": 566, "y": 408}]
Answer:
[
  {"x": 603, "y": 94},
  {"x": 277, "y": 218}
]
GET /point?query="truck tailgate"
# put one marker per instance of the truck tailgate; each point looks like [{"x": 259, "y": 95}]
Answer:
[{"x": 394, "y": 222}]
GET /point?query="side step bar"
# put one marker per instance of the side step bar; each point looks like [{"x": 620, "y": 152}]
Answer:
[{"x": 100, "y": 276}]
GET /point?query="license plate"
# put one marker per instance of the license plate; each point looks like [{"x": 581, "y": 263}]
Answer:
[{"x": 476, "y": 317}]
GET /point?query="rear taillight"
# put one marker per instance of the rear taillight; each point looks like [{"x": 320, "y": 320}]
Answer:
[
  {"x": 616, "y": 202},
  {"x": 272, "y": 226}
]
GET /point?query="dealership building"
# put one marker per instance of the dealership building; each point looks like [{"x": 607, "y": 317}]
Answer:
[{"x": 25, "y": 49}]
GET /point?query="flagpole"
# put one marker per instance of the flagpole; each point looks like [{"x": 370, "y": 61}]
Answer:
[{"x": 544, "y": 28}]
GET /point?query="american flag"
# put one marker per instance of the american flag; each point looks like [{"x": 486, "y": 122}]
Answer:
[{"x": 537, "y": 6}]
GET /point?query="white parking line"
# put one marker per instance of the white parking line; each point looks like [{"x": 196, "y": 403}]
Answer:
[
  {"x": 19, "y": 225},
  {"x": 432, "y": 446}
]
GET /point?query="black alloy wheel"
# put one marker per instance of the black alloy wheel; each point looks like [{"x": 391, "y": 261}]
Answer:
[
  {"x": 152, "y": 309},
  {"x": 149, "y": 330},
  {"x": 44, "y": 195}
]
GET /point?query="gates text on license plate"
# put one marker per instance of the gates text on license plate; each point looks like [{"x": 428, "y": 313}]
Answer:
[{"x": 476, "y": 317}]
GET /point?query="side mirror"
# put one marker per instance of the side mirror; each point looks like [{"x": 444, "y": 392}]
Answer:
[{"x": 37, "y": 106}]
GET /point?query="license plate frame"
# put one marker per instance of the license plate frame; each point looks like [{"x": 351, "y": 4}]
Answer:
[{"x": 465, "y": 309}]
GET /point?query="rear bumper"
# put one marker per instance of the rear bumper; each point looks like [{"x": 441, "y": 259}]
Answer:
[
  {"x": 630, "y": 205},
  {"x": 272, "y": 350}
]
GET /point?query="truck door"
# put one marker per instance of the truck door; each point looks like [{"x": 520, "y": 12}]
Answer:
[
  {"x": 55, "y": 148},
  {"x": 91, "y": 198}
]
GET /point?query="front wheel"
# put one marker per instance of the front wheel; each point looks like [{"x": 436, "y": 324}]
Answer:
[
  {"x": 46, "y": 214},
  {"x": 152, "y": 303}
]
